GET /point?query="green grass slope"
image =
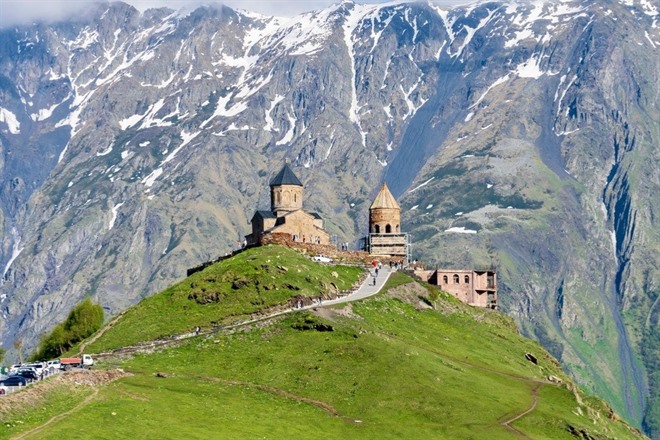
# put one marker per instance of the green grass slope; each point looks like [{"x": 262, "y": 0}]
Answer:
[
  {"x": 410, "y": 362},
  {"x": 227, "y": 292}
]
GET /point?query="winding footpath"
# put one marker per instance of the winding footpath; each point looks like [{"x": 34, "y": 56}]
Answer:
[
  {"x": 108, "y": 326},
  {"x": 371, "y": 286},
  {"x": 535, "y": 400},
  {"x": 56, "y": 418}
]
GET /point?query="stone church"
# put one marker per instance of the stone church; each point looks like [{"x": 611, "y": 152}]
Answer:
[{"x": 286, "y": 215}]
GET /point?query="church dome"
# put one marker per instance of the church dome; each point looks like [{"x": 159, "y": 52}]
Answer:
[
  {"x": 285, "y": 177},
  {"x": 384, "y": 199}
]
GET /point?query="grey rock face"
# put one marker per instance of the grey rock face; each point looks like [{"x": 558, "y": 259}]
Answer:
[{"x": 524, "y": 136}]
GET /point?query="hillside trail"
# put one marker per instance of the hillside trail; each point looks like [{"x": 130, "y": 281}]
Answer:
[
  {"x": 535, "y": 400},
  {"x": 108, "y": 326},
  {"x": 274, "y": 391},
  {"x": 56, "y": 418},
  {"x": 536, "y": 383},
  {"x": 371, "y": 286}
]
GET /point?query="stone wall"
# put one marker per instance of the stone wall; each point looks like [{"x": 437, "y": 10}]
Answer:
[{"x": 349, "y": 257}]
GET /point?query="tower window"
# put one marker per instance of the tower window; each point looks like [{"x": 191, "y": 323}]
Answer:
[
  {"x": 445, "y": 279},
  {"x": 377, "y": 229},
  {"x": 397, "y": 228},
  {"x": 467, "y": 279},
  {"x": 388, "y": 229},
  {"x": 456, "y": 279}
]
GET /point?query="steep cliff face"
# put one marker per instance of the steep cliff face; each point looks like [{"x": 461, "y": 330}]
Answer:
[{"x": 524, "y": 136}]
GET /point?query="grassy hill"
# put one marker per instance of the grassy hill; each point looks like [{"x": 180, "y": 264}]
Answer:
[
  {"x": 225, "y": 293},
  {"x": 411, "y": 362}
]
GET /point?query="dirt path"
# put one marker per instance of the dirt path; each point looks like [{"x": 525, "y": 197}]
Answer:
[
  {"x": 276, "y": 391},
  {"x": 535, "y": 399},
  {"x": 58, "y": 417},
  {"x": 536, "y": 383},
  {"x": 107, "y": 327}
]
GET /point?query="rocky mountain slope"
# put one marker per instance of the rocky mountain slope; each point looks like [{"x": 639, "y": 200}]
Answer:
[{"x": 522, "y": 135}]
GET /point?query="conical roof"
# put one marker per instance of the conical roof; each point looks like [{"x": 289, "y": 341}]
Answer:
[
  {"x": 285, "y": 177},
  {"x": 384, "y": 199}
]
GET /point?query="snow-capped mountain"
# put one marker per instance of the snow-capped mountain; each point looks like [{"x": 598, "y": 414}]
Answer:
[{"x": 519, "y": 134}]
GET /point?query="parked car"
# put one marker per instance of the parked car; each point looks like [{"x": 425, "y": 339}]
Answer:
[
  {"x": 322, "y": 258},
  {"x": 53, "y": 366},
  {"x": 29, "y": 374},
  {"x": 14, "y": 381},
  {"x": 38, "y": 367}
]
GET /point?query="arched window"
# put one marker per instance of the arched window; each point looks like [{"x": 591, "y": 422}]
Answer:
[
  {"x": 397, "y": 228},
  {"x": 377, "y": 229},
  {"x": 388, "y": 229},
  {"x": 456, "y": 279},
  {"x": 467, "y": 279},
  {"x": 445, "y": 279}
]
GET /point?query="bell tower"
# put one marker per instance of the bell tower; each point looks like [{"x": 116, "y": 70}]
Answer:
[
  {"x": 384, "y": 213},
  {"x": 286, "y": 191},
  {"x": 385, "y": 237}
]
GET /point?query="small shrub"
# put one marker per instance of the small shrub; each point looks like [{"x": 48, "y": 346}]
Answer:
[{"x": 83, "y": 320}]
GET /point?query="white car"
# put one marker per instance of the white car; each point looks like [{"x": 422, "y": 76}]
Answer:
[
  {"x": 38, "y": 367},
  {"x": 53, "y": 366},
  {"x": 322, "y": 258}
]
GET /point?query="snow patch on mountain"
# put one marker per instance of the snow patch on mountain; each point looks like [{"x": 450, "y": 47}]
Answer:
[
  {"x": 532, "y": 68},
  {"x": 149, "y": 117},
  {"x": 269, "y": 120},
  {"x": 412, "y": 107},
  {"x": 288, "y": 136},
  {"x": 10, "y": 119},
  {"x": 563, "y": 93},
  {"x": 44, "y": 113},
  {"x": 461, "y": 230},
  {"x": 186, "y": 138},
  {"x": 105, "y": 152},
  {"x": 351, "y": 21},
  {"x": 151, "y": 178},
  {"x": 422, "y": 185},
  {"x": 15, "y": 252},
  {"x": 162, "y": 85},
  {"x": 115, "y": 210}
]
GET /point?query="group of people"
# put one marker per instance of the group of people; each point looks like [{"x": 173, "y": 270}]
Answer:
[
  {"x": 299, "y": 303},
  {"x": 315, "y": 240}
]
